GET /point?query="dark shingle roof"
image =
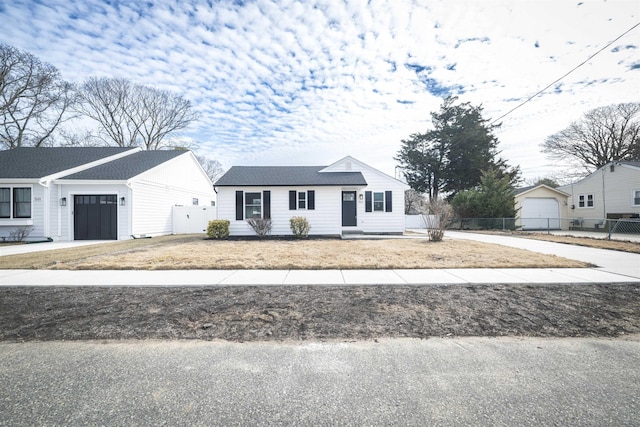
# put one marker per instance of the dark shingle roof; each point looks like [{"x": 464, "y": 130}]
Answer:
[
  {"x": 244, "y": 176},
  {"x": 126, "y": 167},
  {"x": 40, "y": 162}
]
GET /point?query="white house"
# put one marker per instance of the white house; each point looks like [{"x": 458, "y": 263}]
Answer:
[
  {"x": 611, "y": 192},
  {"x": 345, "y": 197},
  {"x": 97, "y": 193}
]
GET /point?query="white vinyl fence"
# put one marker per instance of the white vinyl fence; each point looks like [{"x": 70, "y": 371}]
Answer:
[
  {"x": 192, "y": 219},
  {"x": 420, "y": 221}
]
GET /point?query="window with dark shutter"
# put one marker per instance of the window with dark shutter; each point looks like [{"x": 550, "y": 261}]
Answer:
[
  {"x": 239, "y": 205},
  {"x": 292, "y": 200},
  {"x": 387, "y": 201},
  {"x": 266, "y": 202},
  {"x": 368, "y": 202},
  {"x": 311, "y": 199}
]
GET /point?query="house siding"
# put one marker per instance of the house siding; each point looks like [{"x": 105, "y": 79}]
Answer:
[
  {"x": 324, "y": 219},
  {"x": 380, "y": 221},
  {"x": 155, "y": 192},
  {"x": 64, "y": 222},
  {"x": 612, "y": 192},
  {"x": 37, "y": 220}
]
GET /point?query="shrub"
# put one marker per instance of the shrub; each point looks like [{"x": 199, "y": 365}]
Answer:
[
  {"x": 262, "y": 226},
  {"x": 218, "y": 229},
  {"x": 438, "y": 220},
  {"x": 299, "y": 226},
  {"x": 20, "y": 233}
]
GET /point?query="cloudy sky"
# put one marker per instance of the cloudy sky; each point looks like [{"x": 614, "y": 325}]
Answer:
[{"x": 309, "y": 82}]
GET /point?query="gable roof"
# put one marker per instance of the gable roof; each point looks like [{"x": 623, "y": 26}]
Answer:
[
  {"x": 126, "y": 167},
  {"x": 29, "y": 162},
  {"x": 273, "y": 176},
  {"x": 524, "y": 190}
]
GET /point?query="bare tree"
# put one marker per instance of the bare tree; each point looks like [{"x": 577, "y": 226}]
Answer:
[
  {"x": 213, "y": 168},
  {"x": 34, "y": 100},
  {"x": 413, "y": 202},
  {"x": 603, "y": 135},
  {"x": 134, "y": 115}
]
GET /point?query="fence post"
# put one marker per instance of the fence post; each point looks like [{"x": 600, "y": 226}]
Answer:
[{"x": 548, "y": 226}]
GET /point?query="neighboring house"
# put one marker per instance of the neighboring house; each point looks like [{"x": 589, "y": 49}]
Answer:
[
  {"x": 540, "y": 207},
  {"x": 345, "y": 197},
  {"x": 611, "y": 192},
  {"x": 97, "y": 193}
]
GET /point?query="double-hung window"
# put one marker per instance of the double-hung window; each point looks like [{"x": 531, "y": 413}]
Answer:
[
  {"x": 302, "y": 200},
  {"x": 15, "y": 202},
  {"x": 585, "y": 200},
  {"x": 636, "y": 197},
  {"x": 378, "y": 201},
  {"x": 253, "y": 205}
]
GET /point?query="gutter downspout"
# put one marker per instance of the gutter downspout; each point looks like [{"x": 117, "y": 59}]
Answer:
[{"x": 46, "y": 209}]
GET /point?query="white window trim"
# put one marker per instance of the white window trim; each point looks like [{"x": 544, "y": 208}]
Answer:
[
  {"x": 586, "y": 200},
  {"x": 248, "y": 205},
  {"x": 306, "y": 200},
  {"x": 18, "y": 220},
  {"x": 373, "y": 201},
  {"x": 633, "y": 197}
]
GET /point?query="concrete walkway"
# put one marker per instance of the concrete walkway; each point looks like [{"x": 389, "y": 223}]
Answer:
[{"x": 612, "y": 266}]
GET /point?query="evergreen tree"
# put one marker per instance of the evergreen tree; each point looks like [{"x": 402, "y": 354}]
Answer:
[{"x": 451, "y": 157}]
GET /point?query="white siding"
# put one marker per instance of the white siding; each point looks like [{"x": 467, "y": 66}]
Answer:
[
  {"x": 381, "y": 221},
  {"x": 325, "y": 219},
  {"x": 155, "y": 192},
  {"x": 65, "y": 221},
  {"x": 37, "y": 220}
]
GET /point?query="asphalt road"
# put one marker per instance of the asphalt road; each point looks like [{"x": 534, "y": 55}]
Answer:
[{"x": 445, "y": 382}]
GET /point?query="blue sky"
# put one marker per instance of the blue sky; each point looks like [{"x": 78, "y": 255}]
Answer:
[{"x": 307, "y": 83}]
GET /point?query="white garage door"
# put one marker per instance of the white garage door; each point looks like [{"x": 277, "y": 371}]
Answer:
[{"x": 540, "y": 214}]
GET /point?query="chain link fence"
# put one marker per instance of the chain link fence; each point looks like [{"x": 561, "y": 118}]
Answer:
[{"x": 608, "y": 227}]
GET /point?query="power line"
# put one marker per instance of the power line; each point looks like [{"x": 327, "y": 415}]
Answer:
[{"x": 565, "y": 75}]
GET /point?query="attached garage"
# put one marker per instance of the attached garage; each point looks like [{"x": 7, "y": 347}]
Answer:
[{"x": 95, "y": 217}]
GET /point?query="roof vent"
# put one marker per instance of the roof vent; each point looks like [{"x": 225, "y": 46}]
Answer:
[{"x": 348, "y": 165}]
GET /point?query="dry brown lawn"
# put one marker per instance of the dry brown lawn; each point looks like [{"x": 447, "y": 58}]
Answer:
[{"x": 194, "y": 252}]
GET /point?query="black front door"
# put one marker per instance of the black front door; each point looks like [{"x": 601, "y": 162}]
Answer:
[
  {"x": 349, "y": 209},
  {"x": 95, "y": 217}
]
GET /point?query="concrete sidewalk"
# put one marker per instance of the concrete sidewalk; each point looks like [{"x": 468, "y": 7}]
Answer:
[{"x": 306, "y": 277}]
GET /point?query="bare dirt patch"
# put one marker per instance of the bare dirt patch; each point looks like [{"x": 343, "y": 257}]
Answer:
[
  {"x": 251, "y": 313},
  {"x": 194, "y": 252}
]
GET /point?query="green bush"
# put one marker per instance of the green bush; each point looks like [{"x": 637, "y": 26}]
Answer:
[
  {"x": 299, "y": 226},
  {"x": 218, "y": 229}
]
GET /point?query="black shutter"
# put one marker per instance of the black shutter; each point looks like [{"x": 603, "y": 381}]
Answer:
[
  {"x": 239, "y": 205},
  {"x": 266, "y": 204},
  {"x": 387, "y": 201},
  {"x": 368, "y": 203},
  {"x": 311, "y": 200},
  {"x": 292, "y": 200}
]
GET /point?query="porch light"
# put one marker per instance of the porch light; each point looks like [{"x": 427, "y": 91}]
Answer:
[
  {"x": 63, "y": 201},
  {"x": 360, "y": 196},
  {"x": 122, "y": 201}
]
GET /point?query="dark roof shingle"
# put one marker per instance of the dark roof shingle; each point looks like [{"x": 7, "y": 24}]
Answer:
[
  {"x": 273, "y": 176},
  {"x": 126, "y": 167},
  {"x": 43, "y": 161}
]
